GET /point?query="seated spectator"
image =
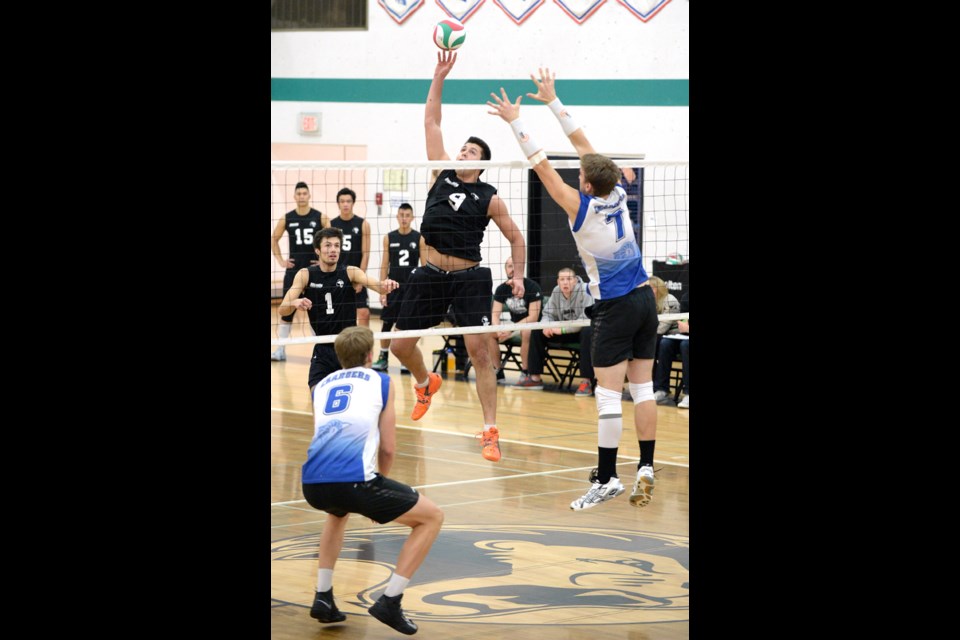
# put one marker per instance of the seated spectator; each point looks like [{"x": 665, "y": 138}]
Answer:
[
  {"x": 666, "y": 303},
  {"x": 568, "y": 301},
  {"x": 667, "y": 350},
  {"x": 522, "y": 311}
]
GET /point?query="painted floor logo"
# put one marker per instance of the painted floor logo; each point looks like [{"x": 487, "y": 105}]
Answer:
[{"x": 510, "y": 574}]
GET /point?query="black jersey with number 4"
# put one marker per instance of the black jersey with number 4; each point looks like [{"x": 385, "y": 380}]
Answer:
[
  {"x": 334, "y": 301},
  {"x": 300, "y": 230},
  {"x": 404, "y": 254},
  {"x": 456, "y": 215},
  {"x": 351, "y": 249}
]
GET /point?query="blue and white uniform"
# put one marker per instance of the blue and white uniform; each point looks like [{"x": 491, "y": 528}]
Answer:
[
  {"x": 346, "y": 432},
  {"x": 608, "y": 246}
]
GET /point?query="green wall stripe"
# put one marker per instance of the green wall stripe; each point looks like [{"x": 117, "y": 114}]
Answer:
[{"x": 630, "y": 93}]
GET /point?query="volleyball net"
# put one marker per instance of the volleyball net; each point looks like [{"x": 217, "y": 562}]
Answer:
[{"x": 657, "y": 196}]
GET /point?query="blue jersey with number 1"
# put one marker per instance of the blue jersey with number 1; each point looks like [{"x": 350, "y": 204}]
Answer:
[
  {"x": 608, "y": 247},
  {"x": 346, "y": 426}
]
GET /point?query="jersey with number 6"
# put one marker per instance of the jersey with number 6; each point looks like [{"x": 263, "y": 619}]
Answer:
[
  {"x": 300, "y": 230},
  {"x": 346, "y": 426},
  {"x": 455, "y": 215},
  {"x": 608, "y": 247},
  {"x": 404, "y": 254},
  {"x": 334, "y": 301}
]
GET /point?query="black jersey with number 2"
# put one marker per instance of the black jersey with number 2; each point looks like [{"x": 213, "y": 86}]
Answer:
[{"x": 404, "y": 254}]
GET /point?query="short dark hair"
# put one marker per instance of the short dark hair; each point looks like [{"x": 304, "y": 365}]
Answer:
[
  {"x": 601, "y": 172},
  {"x": 484, "y": 149},
  {"x": 327, "y": 232},
  {"x": 346, "y": 192},
  {"x": 301, "y": 185},
  {"x": 405, "y": 205}
]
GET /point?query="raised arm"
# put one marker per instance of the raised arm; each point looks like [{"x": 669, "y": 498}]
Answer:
[
  {"x": 563, "y": 194},
  {"x": 423, "y": 252},
  {"x": 547, "y": 94},
  {"x": 432, "y": 117},
  {"x": 365, "y": 246}
]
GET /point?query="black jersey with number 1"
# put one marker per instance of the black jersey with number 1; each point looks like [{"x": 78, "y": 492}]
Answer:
[{"x": 334, "y": 301}]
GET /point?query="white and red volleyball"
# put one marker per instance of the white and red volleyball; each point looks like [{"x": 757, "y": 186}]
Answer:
[{"x": 449, "y": 34}]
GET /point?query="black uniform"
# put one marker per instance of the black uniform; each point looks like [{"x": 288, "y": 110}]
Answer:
[
  {"x": 351, "y": 249},
  {"x": 334, "y": 309},
  {"x": 519, "y": 308},
  {"x": 300, "y": 231},
  {"x": 404, "y": 257},
  {"x": 454, "y": 221}
]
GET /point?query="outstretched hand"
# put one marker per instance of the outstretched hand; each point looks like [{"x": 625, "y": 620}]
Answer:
[
  {"x": 445, "y": 60},
  {"x": 503, "y": 107},
  {"x": 545, "y": 90}
]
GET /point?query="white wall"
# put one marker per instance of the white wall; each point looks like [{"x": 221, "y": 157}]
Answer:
[{"x": 612, "y": 44}]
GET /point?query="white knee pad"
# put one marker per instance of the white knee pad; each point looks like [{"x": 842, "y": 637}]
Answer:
[
  {"x": 610, "y": 420},
  {"x": 641, "y": 392},
  {"x": 608, "y": 401}
]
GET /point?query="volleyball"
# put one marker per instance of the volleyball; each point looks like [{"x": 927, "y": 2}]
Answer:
[{"x": 449, "y": 34}]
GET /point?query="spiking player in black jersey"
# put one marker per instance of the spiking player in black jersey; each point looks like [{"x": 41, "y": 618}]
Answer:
[
  {"x": 325, "y": 292},
  {"x": 457, "y": 211},
  {"x": 299, "y": 225}
]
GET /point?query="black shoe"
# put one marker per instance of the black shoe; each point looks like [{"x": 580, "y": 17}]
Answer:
[
  {"x": 501, "y": 375},
  {"x": 324, "y": 609},
  {"x": 388, "y": 611}
]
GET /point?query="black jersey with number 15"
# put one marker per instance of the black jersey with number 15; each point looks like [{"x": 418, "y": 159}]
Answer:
[{"x": 455, "y": 216}]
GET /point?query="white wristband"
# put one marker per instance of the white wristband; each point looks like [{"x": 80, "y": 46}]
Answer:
[
  {"x": 566, "y": 120},
  {"x": 527, "y": 144},
  {"x": 537, "y": 158}
]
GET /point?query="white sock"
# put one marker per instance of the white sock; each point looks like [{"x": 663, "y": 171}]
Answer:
[
  {"x": 324, "y": 580},
  {"x": 396, "y": 585},
  {"x": 487, "y": 427},
  {"x": 283, "y": 330}
]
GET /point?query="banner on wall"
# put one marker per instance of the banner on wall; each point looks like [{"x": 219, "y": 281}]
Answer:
[
  {"x": 460, "y": 9},
  {"x": 520, "y": 10},
  {"x": 400, "y": 10}
]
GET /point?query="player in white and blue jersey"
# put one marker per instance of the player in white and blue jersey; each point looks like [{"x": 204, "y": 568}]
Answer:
[
  {"x": 352, "y": 449},
  {"x": 624, "y": 314}
]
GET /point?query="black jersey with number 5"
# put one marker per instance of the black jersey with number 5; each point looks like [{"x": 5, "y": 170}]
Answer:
[
  {"x": 455, "y": 216},
  {"x": 334, "y": 301},
  {"x": 300, "y": 230},
  {"x": 404, "y": 254},
  {"x": 351, "y": 249}
]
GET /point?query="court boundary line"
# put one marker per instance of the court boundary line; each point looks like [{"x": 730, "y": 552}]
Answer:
[{"x": 508, "y": 441}]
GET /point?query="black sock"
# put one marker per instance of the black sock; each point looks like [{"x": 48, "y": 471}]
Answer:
[
  {"x": 646, "y": 453},
  {"x": 607, "y": 464}
]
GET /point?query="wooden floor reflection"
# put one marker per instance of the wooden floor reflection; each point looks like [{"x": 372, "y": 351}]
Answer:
[{"x": 512, "y": 557}]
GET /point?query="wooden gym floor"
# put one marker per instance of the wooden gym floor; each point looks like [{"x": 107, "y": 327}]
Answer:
[{"x": 511, "y": 558}]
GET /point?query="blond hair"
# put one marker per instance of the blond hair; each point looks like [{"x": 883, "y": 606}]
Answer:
[
  {"x": 353, "y": 345},
  {"x": 660, "y": 289}
]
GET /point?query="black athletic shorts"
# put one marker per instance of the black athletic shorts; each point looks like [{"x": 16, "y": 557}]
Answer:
[
  {"x": 624, "y": 328},
  {"x": 362, "y": 301},
  {"x": 381, "y": 499},
  {"x": 430, "y": 291},
  {"x": 323, "y": 363},
  {"x": 391, "y": 312}
]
